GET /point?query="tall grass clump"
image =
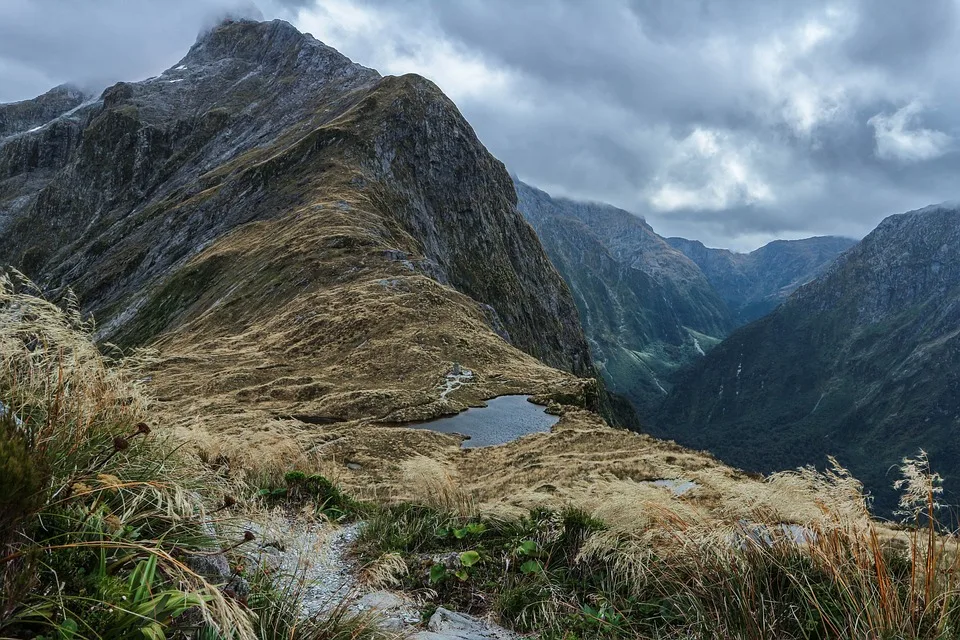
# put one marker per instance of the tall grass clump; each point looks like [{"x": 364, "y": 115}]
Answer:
[
  {"x": 98, "y": 526},
  {"x": 659, "y": 570}
]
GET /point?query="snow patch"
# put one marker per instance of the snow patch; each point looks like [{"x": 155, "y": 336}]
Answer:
[{"x": 180, "y": 68}]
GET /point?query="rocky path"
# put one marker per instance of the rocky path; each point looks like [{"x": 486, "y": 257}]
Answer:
[{"x": 319, "y": 555}]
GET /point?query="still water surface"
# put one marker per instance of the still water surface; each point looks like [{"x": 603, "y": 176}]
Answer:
[{"x": 503, "y": 419}]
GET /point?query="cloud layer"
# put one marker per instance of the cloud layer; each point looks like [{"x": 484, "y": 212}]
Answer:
[{"x": 730, "y": 121}]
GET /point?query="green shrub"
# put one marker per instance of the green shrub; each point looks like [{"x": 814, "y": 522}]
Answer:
[{"x": 326, "y": 497}]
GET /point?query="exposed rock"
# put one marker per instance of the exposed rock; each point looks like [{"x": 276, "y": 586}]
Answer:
[
  {"x": 29, "y": 115},
  {"x": 449, "y": 625},
  {"x": 392, "y": 611},
  {"x": 313, "y": 553}
]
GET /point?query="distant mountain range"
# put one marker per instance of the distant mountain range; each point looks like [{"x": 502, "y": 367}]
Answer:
[
  {"x": 753, "y": 284},
  {"x": 651, "y": 305},
  {"x": 863, "y": 364}
]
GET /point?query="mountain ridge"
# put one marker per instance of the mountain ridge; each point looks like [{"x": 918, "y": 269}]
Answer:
[
  {"x": 753, "y": 284},
  {"x": 268, "y": 193}
]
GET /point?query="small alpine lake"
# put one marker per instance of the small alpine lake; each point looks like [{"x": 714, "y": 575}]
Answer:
[{"x": 504, "y": 419}]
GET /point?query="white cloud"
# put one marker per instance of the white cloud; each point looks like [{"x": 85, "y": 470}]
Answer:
[
  {"x": 896, "y": 140},
  {"x": 801, "y": 92},
  {"x": 371, "y": 38},
  {"x": 709, "y": 170}
]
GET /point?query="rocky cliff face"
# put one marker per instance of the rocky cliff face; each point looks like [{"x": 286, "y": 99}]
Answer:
[
  {"x": 289, "y": 229},
  {"x": 18, "y": 117},
  {"x": 753, "y": 284},
  {"x": 861, "y": 363},
  {"x": 647, "y": 309}
]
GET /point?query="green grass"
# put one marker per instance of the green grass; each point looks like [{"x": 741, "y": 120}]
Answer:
[{"x": 298, "y": 489}]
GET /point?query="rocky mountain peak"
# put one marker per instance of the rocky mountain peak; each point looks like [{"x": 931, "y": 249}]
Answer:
[
  {"x": 19, "y": 117},
  {"x": 905, "y": 260},
  {"x": 276, "y": 45},
  {"x": 267, "y": 185}
]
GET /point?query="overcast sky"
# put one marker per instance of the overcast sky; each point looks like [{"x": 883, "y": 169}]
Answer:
[{"x": 730, "y": 121}]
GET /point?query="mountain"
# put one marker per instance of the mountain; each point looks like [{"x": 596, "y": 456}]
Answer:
[
  {"x": 863, "y": 363},
  {"x": 22, "y": 116},
  {"x": 292, "y": 232},
  {"x": 646, "y": 308},
  {"x": 652, "y": 305},
  {"x": 753, "y": 284}
]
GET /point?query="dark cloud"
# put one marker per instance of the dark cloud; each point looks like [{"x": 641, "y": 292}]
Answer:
[
  {"x": 731, "y": 121},
  {"x": 903, "y": 35}
]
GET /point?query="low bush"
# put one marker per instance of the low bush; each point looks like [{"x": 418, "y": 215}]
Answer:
[{"x": 325, "y": 497}]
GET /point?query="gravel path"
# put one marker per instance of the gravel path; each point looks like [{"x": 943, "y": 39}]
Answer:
[{"x": 316, "y": 554}]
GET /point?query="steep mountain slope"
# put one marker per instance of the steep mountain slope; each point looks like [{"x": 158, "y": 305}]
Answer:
[
  {"x": 294, "y": 233},
  {"x": 863, "y": 363},
  {"x": 646, "y": 308},
  {"x": 753, "y": 284}
]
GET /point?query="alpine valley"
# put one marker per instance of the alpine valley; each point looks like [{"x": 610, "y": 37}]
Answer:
[{"x": 234, "y": 297}]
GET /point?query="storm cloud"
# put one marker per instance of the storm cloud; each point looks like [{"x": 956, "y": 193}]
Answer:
[{"x": 730, "y": 121}]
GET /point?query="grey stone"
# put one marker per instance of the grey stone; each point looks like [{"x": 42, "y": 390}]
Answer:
[
  {"x": 450, "y": 625},
  {"x": 393, "y": 611}
]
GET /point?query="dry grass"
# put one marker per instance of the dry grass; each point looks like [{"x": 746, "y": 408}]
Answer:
[
  {"x": 75, "y": 427},
  {"x": 101, "y": 522}
]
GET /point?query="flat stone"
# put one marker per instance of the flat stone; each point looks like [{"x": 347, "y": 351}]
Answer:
[
  {"x": 450, "y": 625},
  {"x": 393, "y": 612},
  {"x": 381, "y": 601}
]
